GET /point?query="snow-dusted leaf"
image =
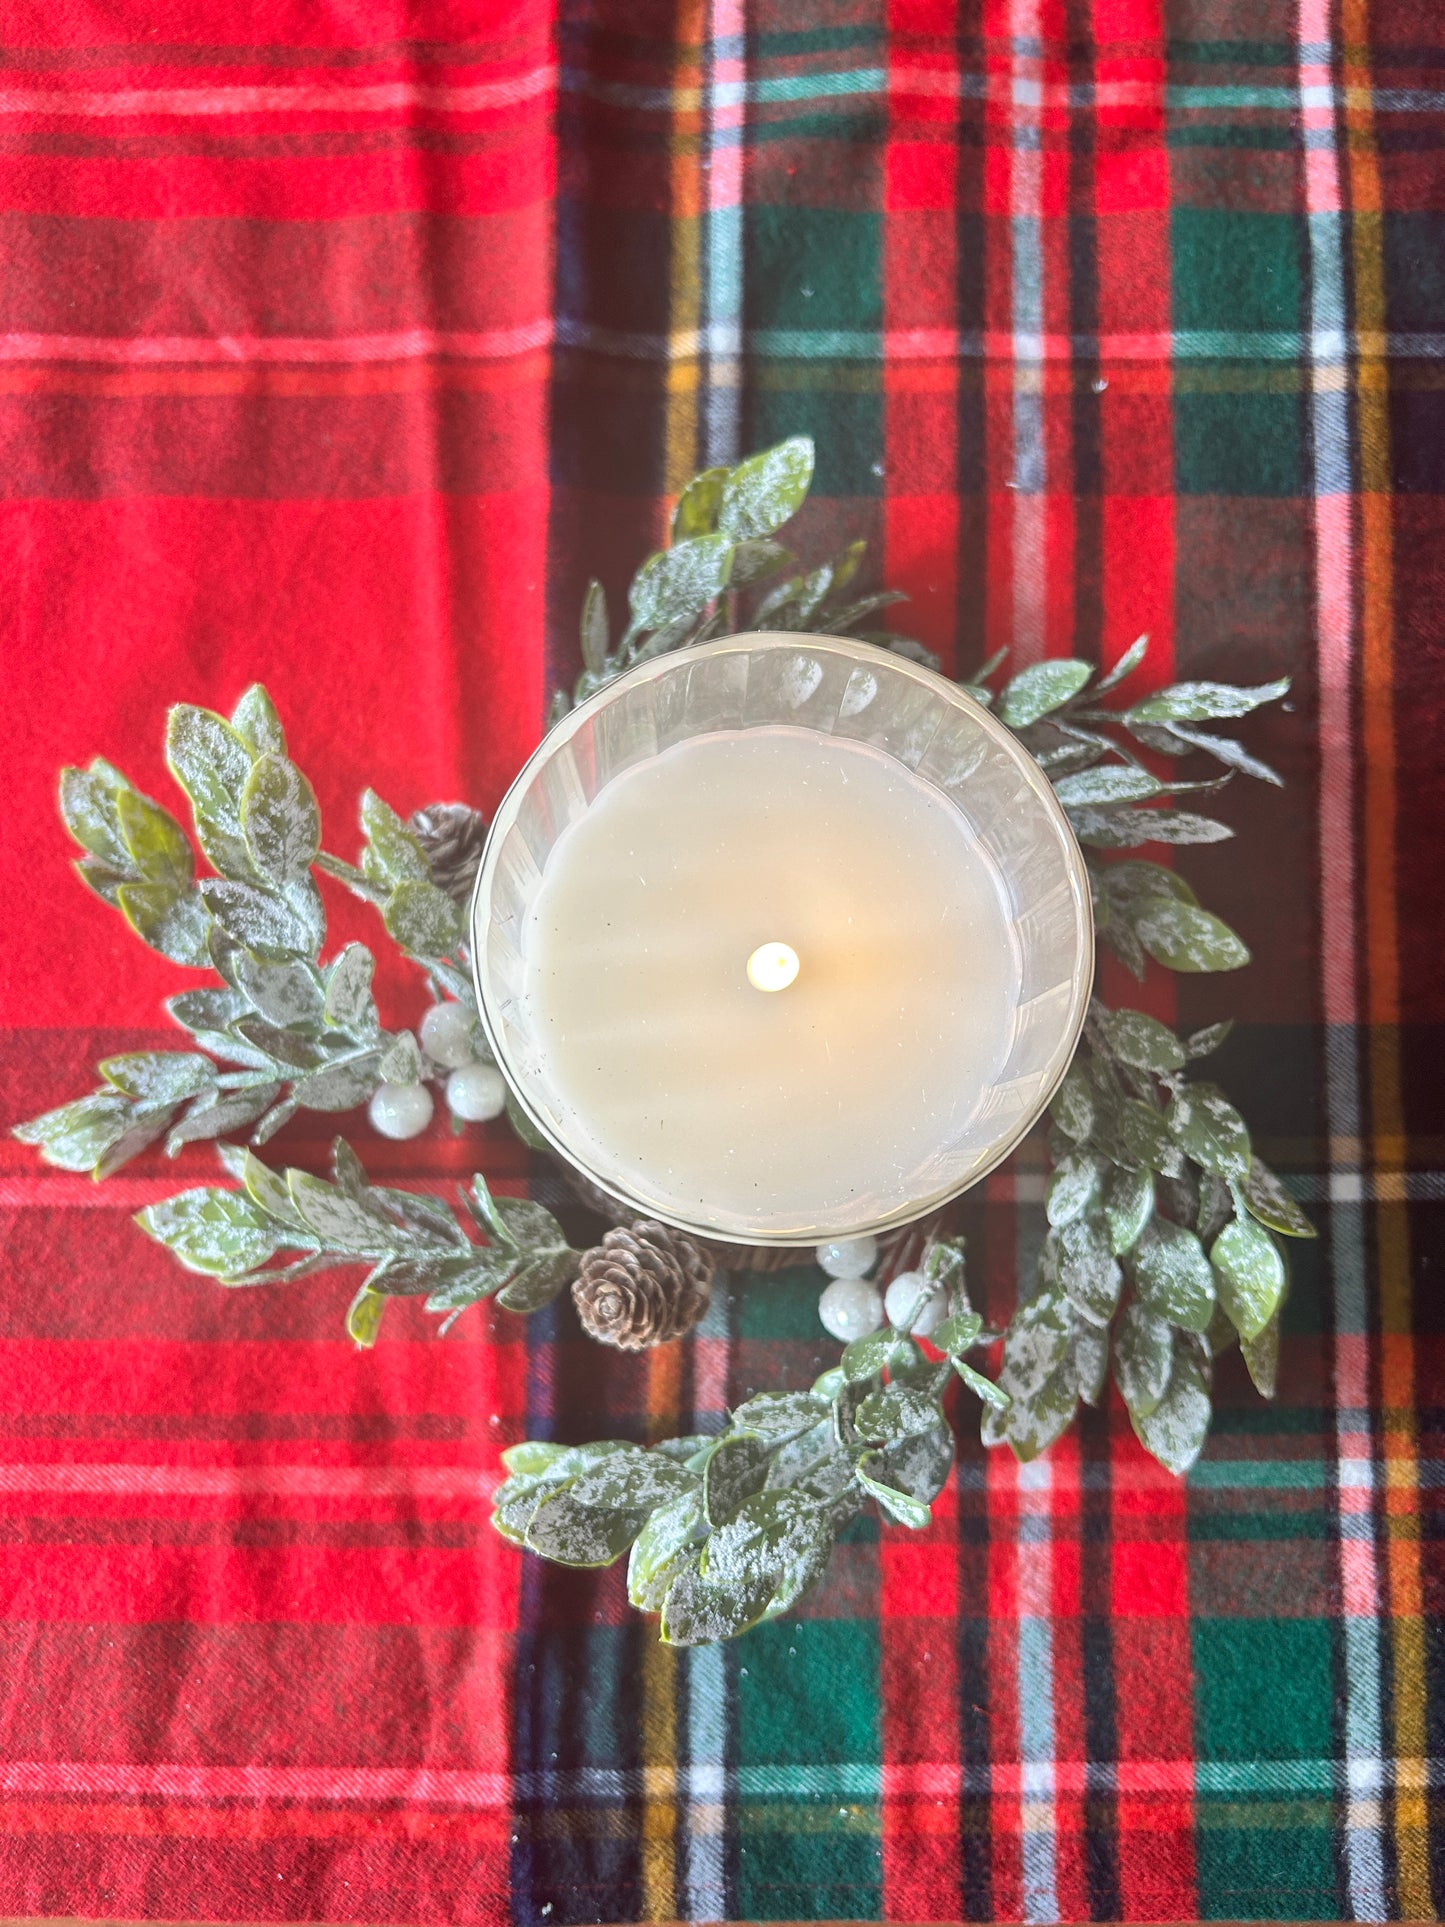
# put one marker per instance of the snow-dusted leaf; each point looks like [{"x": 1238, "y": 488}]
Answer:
[
  {"x": 1105, "y": 829},
  {"x": 279, "y": 819},
  {"x": 348, "y": 1002},
  {"x": 423, "y": 919},
  {"x": 1267, "y": 1200},
  {"x": 1140, "y": 1040},
  {"x": 761, "y": 493},
  {"x": 1173, "y": 1274},
  {"x": 154, "y": 841},
  {"x": 159, "y": 1077},
  {"x": 1143, "y": 1357},
  {"x": 1184, "y": 937},
  {"x": 255, "y": 721},
  {"x": 364, "y": 1316},
  {"x": 260, "y": 920},
  {"x": 395, "y": 855},
  {"x": 1204, "y": 701},
  {"x": 1100, "y": 788},
  {"x": 211, "y": 1117},
  {"x": 1087, "y": 1268},
  {"x": 1073, "y": 1106},
  {"x": 219, "y": 1233},
  {"x": 734, "y": 1472},
  {"x": 340, "y": 1087},
  {"x": 695, "y": 514},
  {"x": 1128, "y": 1206},
  {"x": 76, "y": 1136},
  {"x": 579, "y": 1535},
  {"x": 1175, "y": 1431},
  {"x": 211, "y": 762},
  {"x": 338, "y": 1220},
  {"x": 1125, "y": 666},
  {"x": 1261, "y": 1357},
  {"x": 1226, "y": 750},
  {"x": 88, "y": 807},
  {"x": 1040, "y": 689},
  {"x": 1073, "y": 1187},
  {"x": 677, "y": 584},
  {"x": 175, "y": 924},
  {"x": 1211, "y": 1130},
  {"x": 1199, "y": 1043},
  {"x": 1251, "y": 1275}
]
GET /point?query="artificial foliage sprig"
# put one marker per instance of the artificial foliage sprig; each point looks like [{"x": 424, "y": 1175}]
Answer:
[{"x": 1161, "y": 1245}]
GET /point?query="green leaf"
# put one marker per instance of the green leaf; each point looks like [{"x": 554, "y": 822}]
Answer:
[
  {"x": 1175, "y": 1431},
  {"x": 763, "y": 492},
  {"x": 76, "y": 1136},
  {"x": 211, "y": 763},
  {"x": 101, "y": 878},
  {"x": 281, "y": 1046},
  {"x": 898, "y": 1506},
  {"x": 678, "y": 583},
  {"x": 1073, "y": 1188},
  {"x": 205, "y": 1010},
  {"x": 154, "y": 841},
  {"x": 1200, "y": 1043},
  {"x": 401, "y": 1061},
  {"x": 477, "y": 1281},
  {"x": 88, "y": 807},
  {"x": 348, "y": 1003},
  {"x": 529, "y": 1227},
  {"x": 1124, "y": 667},
  {"x": 1143, "y": 1357},
  {"x": 269, "y": 1191},
  {"x": 279, "y": 819},
  {"x": 1142, "y": 1041},
  {"x": 1089, "y": 1361},
  {"x": 1211, "y": 1130},
  {"x": 210, "y": 1116},
  {"x": 595, "y": 634},
  {"x": 1129, "y": 829},
  {"x": 1185, "y": 937},
  {"x": 417, "y": 1274},
  {"x": 286, "y": 994},
  {"x": 532, "y": 1457},
  {"x": 1136, "y": 1135},
  {"x": 896, "y": 1412},
  {"x": 698, "y": 1611},
  {"x": 868, "y": 1356},
  {"x": 219, "y": 1233},
  {"x": 633, "y": 1479},
  {"x": 1088, "y": 1269},
  {"x": 1127, "y": 882},
  {"x": 1041, "y": 689},
  {"x": 1225, "y": 750},
  {"x": 159, "y": 1077},
  {"x": 958, "y": 1333},
  {"x": 1173, "y": 1275},
  {"x": 340, "y": 1087},
  {"x": 395, "y": 851},
  {"x": 174, "y": 925},
  {"x": 1203, "y": 701},
  {"x": 363, "y": 1317},
  {"x": 338, "y": 1220},
  {"x": 1251, "y": 1275},
  {"x": 1035, "y": 1345},
  {"x": 697, "y": 507},
  {"x": 734, "y": 1472},
  {"x": 754, "y": 561},
  {"x": 665, "y": 1543},
  {"x": 539, "y": 1281},
  {"x": 260, "y": 920},
  {"x": 1073, "y": 1106},
  {"x": 1097, "y": 788},
  {"x": 1261, "y": 1357},
  {"x": 577, "y": 1535},
  {"x": 1267, "y": 1200},
  {"x": 423, "y": 919},
  {"x": 990, "y": 1393},
  {"x": 777, "y": 1416},
  {"x": 255, "y": 721},
  {"x": 1128, "y": 1207}
]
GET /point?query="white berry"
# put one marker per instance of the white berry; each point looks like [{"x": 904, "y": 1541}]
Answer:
[
  {"x": 400, "y": 1110},
  {"x": 446, "y": 1035},
  {"x": 901, "y": 1301},
  {"x": 476, "y": 1093},
  {"x": 848, "y": 1257},
  {"x": 851, "y": 1308}
]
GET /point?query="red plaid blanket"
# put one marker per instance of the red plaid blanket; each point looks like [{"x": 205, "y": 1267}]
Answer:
[{"x": 338, "y": 346}]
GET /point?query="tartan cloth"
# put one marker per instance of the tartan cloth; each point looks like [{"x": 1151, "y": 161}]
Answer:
[{"x": 341, "y": 343}]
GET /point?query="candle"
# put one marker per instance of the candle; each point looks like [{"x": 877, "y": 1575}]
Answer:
[
  {"x": 768, "y": 969},
  {"x": 782, "y": 939}
]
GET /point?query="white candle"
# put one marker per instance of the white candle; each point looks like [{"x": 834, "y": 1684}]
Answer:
[
  {"x": 768, "y": 972},
  {"x": 782, "y": 939}
]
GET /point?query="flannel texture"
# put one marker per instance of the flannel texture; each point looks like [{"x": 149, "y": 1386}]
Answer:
[{"x": 340, "y": 345}]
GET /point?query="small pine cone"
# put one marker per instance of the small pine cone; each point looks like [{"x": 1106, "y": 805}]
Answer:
[
  {"x": 451, "y": 836},
  {"x": 644, "y": 1284}
]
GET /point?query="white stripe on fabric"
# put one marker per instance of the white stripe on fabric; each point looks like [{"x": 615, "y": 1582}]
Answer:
[
  {"x": 1335, "y": 569},
  {"x": 1028, "y": 479},
  {"x": 1037, "y": 1775}
]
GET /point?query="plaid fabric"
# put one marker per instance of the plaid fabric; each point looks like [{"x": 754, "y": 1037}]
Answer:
[{"x": 339, "y": 346}]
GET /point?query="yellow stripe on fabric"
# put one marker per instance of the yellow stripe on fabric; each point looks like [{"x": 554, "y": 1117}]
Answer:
[
  {"x": 1382, "y": 958},
  {"x": 687, "y": 197}
]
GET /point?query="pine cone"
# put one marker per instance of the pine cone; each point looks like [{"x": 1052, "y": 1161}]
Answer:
[
  {"x": 451, "y": 836},
  {"x": 643, "y": 1285}
]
